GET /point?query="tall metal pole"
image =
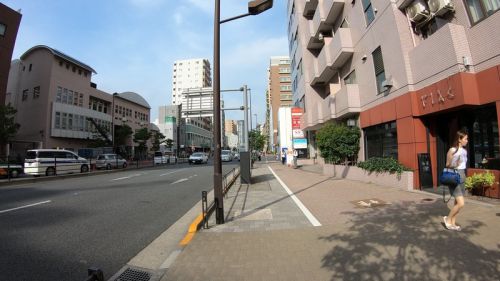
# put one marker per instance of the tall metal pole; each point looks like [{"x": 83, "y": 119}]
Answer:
[
  {"x": 250, "y": 95},
  {"x": 218, "y": 197},
  {"x": 245, "y": 119}
]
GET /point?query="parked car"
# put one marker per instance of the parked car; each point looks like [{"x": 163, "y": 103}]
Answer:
[
  {"x": 226, "y": 155},
  {"x": 109, "y": 161},
  {"x": 13, "y": 169},
  {"x": 198, "y": 157},
  {"x": 51, "y": 162}
]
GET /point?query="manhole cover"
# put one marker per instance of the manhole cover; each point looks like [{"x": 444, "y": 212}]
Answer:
[
  {"x": 369, "y": 203},
  {"x": 134, "y": 275},
  {"x": 427, "y": 200}
]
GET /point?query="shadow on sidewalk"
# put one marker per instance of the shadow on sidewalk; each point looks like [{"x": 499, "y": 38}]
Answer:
[
  {"x": 264, "y": 206},
  {"x": 405, "y": 241}
]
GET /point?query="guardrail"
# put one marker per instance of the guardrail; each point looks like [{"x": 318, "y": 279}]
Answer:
[{"x": 227, "y": 181}]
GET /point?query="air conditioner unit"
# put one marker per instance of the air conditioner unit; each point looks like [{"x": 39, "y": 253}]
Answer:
[
  {"x": 417, "y": 11},
  {"x": 440, "y": 7}
]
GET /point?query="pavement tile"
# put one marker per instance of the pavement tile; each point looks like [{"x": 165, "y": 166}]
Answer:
[{"x": 400, "y": 241}]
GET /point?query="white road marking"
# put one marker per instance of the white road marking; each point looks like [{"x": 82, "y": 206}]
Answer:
[
  {"x": 312, "y": 219},
  {"x": 178, "y": 181},
  {"x": 171, "y": 172},
  {"x": 26, "y": 206},
  {"x": 117, "y": 179}
]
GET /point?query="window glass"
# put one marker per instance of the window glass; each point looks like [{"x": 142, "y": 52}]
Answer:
[
  {"x": 36, "y": 92},
  {"x": 350, "y": 78},
  {"x": 59, "y": 94},
  {"x": 368, "y": 9},
  {"x": 57, "y": 123},
  {"x": 3, "y": 27},
  {"x": 480, "y": 9},
  {"x": 378, "y": 63},
  {"x": 381, "y": 140}
]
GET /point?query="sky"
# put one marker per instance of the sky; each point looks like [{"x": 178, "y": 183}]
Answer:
[{"x": 132, "y": 44}]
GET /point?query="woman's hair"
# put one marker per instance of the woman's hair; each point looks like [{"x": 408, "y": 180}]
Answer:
[{"x": 458, "y": 136}]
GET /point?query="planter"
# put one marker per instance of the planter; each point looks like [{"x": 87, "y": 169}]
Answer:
[
  {"x": 493, "y": 191},
  {"x": 404, "y": 181}
]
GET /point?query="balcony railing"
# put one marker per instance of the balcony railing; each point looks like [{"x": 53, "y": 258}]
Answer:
[
  {"x": 346, "y": 101},
  {"x": 326, "y": 13},
  {"x": 334, "y": 55},
  {"x": 310, "y": 8}
]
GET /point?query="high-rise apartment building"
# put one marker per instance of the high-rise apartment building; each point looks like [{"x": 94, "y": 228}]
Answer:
[
  {"x": 9, "y": 25},
  {"x": 279, "y": 93},
  {"x": 231, "y": 126},
  {"x": 190, "y": 73},
  {"x": 409, "y": 73}
]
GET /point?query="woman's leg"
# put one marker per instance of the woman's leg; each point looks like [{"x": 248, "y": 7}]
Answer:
[{"x": 459, "y": 203}]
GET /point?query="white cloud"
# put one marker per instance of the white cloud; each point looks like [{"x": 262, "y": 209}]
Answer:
[{"x": 147, "y": 3}]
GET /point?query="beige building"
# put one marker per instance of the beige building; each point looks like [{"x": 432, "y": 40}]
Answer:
[
  {"x": 58, "y": 105},
  {"x": 279, "y": 94},
  {"x": 409, "y": 73},
  {"x": 231, "y": 126},
  {"x": 9, "y": 25}
]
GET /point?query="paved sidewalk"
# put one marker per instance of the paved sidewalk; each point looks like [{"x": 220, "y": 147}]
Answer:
[{"x": 268, "y": 237}]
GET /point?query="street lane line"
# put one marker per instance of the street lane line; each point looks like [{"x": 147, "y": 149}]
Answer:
[
  {"x": 301, "y": 206},
  {"x": 26, "y": 206},
  {"x": 178, "y": 181},
  {"x": 117, "y": 179},
  {"x": 172, "y": 172}
]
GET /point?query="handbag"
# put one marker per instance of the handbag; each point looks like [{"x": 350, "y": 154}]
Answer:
[{"x": 449, "y": 177}]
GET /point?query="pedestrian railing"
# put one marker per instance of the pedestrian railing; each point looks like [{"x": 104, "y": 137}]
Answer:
[{"x": 227, "y": 181}]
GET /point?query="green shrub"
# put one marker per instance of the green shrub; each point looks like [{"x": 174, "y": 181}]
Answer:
[
  {"x": 383, "y": 164},
  {"x": 479, "y": 180},
  {"x": 337, "y": 143}
]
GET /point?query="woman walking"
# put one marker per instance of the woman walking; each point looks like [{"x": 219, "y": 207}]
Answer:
[{"x": 456, "y": 159}]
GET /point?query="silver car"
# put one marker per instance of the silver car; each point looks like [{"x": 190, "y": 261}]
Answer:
[{"x": 109, "y": 161}]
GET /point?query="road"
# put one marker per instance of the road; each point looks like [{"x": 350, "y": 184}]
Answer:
[{"x": 55, "y": 230}]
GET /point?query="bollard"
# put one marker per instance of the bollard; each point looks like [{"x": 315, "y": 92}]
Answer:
[
  {"x": 95, "y": 274},
  {"x": 204, "y": 208}
]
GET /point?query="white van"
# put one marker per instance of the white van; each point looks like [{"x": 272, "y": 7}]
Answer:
[{"x": 51, "y": 162}]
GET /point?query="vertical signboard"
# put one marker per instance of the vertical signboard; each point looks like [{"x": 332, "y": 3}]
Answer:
[{"x": 299, "y": 142}]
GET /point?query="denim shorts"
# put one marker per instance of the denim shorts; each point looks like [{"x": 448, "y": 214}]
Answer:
[{"x": 458, "y": 190}]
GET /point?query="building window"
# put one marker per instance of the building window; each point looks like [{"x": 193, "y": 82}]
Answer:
[
  {"x": 481, "y": 9},
  {"x": 31, "y": 67},
  {"x": 59, "y": 94},
  {"x": 3, "y": 27},
  {"x": 25, "y": 95},
  {"x": 286, "y": 87},
  {"x": 378, "y": 63},
  {"x": 381, "y": 140},
  {"x": 57, "y": 123},
  {"x": 36, "y": 92},
  {"x": 368, "y": 10},
  {"x": 63, "y": 120},
  {"x": 350, "y": 78}
]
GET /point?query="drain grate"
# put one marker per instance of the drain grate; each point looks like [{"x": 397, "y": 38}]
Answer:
[{"x": 134, "y": 275}]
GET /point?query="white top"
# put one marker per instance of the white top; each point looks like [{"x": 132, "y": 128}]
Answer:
[{"x": 459, "y": 159}]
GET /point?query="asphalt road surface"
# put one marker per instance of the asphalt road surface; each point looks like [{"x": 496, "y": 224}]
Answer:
[{"x": 55, "y": 230}]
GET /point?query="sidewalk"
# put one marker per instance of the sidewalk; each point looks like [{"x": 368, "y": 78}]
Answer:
[{"x": 268, "y": 237}]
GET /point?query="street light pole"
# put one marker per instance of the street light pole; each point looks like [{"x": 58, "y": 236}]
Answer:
[
  {"x": 219, "y": 204},
  {"x": 255, "y": 114},
  {"x": 254, "y": 7}
]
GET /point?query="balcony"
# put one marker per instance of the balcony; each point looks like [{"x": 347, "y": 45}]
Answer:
[
  {"x": 441, "y": 53},
  {"x": 335, "y": 53},
  {"x": 346, "y": 101},
  {"x": 326, "y": 13},
  {"x": 310, "y": 8},
  {"x": 312, "y": 39},
  {"x": 311, "y": 71}
]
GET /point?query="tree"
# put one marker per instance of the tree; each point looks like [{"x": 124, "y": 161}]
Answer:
[
  {"x": 338, "y": 142},
  {"x": 169, "y": 143},
  {"x": 122, "y": 134},
  {"x": 141, "y": 137},
  {"x": 256, "y": 140},
  {"x": 8, "y": 125},
  {"x": 158, "y": 139}
]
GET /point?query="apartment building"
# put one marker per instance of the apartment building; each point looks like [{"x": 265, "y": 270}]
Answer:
[
  {"x": 9, "y": 25},
  {"x": 191, "y": 88},
  {"x": 279, "y": 94},
  {"x": 409, "y": 73},
  {"x": 58, "y": 105}
]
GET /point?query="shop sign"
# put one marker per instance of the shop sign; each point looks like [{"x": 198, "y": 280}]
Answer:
[
  {"x": 432, "y": 98},
  {"x": 299, "y": 143}
]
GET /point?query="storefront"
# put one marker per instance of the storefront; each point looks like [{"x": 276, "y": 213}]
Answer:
[{"x": 420, "y": 125}]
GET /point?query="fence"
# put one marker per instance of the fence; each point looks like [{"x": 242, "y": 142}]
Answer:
[{"x": 227, "y": 181}]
